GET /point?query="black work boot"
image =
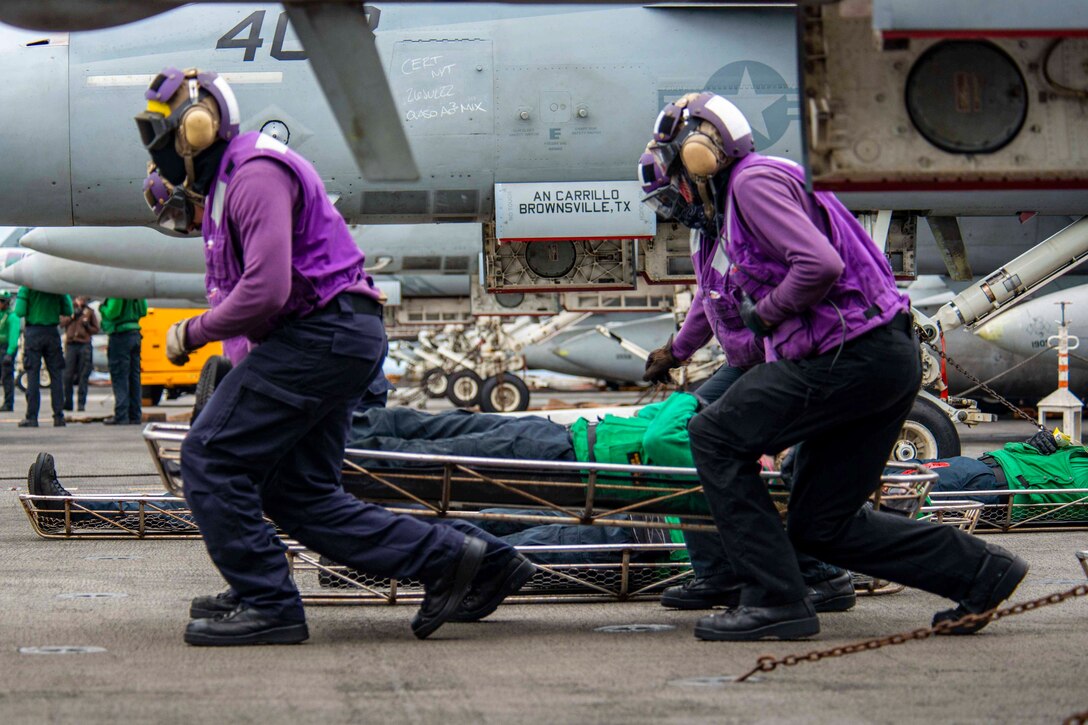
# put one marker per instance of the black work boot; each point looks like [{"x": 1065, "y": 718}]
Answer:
[
  {"x": 833, "y": 595},
  {"x": 1001, "y": 572},
  {"x": 41, "y": 479},
  {"x": 702, "y": 593},
  {"x": 28, "y": 423},
  {"x": 488, "y": 590},
  {"x": 58, "y": 421},
  {"x": 442, "y": 599},
  {"x": 787, "y": 621},
  {"x": 245, "y": 625},
  {"x": 210, "y": 605}
]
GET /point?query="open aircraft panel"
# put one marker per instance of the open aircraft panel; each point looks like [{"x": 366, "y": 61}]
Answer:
[
  {"x": 559, "y": 266},
  {"x": 956, "y": 110}
]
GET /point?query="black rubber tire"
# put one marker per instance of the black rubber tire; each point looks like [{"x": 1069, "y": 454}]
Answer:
[
  {"x": 152, "y": 394},
  {"x": 504, "y": 393},
  {"x": 215, "y": 369},
  {"x": 927, "y": 428},
  {"x": 464, "y": 388},
  {"x": 430, "y": 382}
]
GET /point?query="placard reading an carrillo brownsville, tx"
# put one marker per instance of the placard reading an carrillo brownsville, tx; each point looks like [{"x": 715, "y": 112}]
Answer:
[{"x": 572, "y": 210}]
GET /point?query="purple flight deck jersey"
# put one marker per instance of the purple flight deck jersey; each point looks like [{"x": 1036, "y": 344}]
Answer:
[
  {"x": 816, "y": 276},
  {"x": 269, "y": 205},
  {"x": 713, "y": 311}
]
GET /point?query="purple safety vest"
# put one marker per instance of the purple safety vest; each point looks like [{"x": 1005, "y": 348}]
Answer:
[
  {"x": 863, "y": 298},
  {"x": 721, "y": 307},
  {"x": 325, "y": 260}
]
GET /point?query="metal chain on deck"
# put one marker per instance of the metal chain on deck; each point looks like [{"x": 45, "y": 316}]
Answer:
[
  {"x": 768, "y": 663},
  {"x": 998, "y": 396}
]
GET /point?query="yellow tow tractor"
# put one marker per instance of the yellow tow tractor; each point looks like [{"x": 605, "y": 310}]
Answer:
[{"x": 157, "y": 374}]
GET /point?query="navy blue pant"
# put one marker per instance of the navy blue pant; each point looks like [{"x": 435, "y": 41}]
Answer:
[
  {"x": 272, "y": 438},
  {"x": 42, "y": 342},
  {"x": 77, "y": 371},
  {"x": 7, "y": 377},
  {"x": 706, "y": 550},
  {"x": 124, "y": 358},
  {"x": 844, "y": 410}
]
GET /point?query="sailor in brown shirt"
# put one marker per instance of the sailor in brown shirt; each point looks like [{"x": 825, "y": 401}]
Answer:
[{"x": 78, "y": 361}]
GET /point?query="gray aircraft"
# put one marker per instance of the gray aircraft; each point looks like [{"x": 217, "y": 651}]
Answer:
[{"x": 495, "y": 98}]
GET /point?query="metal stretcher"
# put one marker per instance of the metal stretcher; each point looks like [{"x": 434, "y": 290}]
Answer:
[{"x": 644, "y": 498}]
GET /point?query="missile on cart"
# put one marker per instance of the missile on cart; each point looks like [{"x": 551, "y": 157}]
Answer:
[
  {"x": 417, "y": 249},
  {"x": 63, "y": 276},
  {"x": 1031, "y": 270},
  {"x": 1027, "y": 328}
]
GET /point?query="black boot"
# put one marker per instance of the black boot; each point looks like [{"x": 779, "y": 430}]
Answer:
[
  {"x": 443, "y": 598},
  {"x": 788, "y": 621},
  {"x": 702, "y": 593},
  {"x": 833, "y": 595},
  {"x": 488, "y": 590},
  {"x": 41, "y": 479},
  {"x": 1001, "y": 572},
  {"x": 210, "y": 605},
  {"x": 245, "y": 625}
]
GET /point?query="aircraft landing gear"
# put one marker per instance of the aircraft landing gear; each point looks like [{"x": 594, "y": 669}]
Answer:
[
  {"x": 464, "y": 388},
  {"x": 435, "y": 383},
  {"x": 927, "y": 433},
  {"x": 504, "y": 393}
]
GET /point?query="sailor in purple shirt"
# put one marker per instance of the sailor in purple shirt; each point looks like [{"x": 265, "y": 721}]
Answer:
[
  {"x": 715, "y": 583},
  {"x": 843, "y": 370},
  {"x": 285, "y": 276}
]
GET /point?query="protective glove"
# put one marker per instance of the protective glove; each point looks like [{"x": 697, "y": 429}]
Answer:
[
  {"x": 177, "y": 351},
  {"x": 7, "y": 359},
  {"x": 751, "y": 318},
  {"x": 659, "y": 363},
  {"x": 1044, "y": 442}
]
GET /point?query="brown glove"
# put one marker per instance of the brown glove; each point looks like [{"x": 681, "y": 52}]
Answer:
[{"x": 659, "y": 363}]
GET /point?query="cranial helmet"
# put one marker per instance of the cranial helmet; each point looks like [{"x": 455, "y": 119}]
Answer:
[
  {"x": 187, "y": 111},
  {"x": 708, "y": 133},
  {"x": 731, "y": 136}
]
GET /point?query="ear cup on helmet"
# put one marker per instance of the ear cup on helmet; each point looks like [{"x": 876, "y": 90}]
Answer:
[
  {"x": 198, "y": 128},
  {"x": 700, "y": 157}
]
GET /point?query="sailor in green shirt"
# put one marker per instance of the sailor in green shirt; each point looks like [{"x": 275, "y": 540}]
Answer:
[
  {"x": 121, "y": 320},
  {"x": 9, "y": 346},
  {"x": 1042, "y": 462},
  {"x": 41, "y": 341}
]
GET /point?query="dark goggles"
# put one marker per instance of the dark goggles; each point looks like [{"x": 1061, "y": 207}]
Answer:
[
  {"x": 667, "y": 202},
  {"x": 173, "y": 206},
  {"x": 668, "y": 123},
  {"x": 156, "y": 130}
]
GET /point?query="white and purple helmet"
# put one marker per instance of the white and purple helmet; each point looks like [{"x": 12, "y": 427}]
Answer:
[
  {"x": 165, "y": 108},
  {"x": 723, "y": 115}
]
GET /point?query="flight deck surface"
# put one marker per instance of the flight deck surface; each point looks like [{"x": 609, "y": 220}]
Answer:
[{"x": 526, "y": 663}]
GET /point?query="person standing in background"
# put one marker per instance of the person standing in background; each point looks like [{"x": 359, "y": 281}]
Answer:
[
  {"x": 9, "y": 346},
  {"x": 42, "y": 312},
  {"x": 78, "y": 329},
  {"x": 121, "y": 320}
]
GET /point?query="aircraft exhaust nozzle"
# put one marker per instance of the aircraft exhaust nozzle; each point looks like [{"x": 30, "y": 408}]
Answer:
[{"x": 1023, "y": 275}]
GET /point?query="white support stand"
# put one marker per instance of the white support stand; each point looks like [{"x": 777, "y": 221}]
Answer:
[{"x": 1062, "y": 401}]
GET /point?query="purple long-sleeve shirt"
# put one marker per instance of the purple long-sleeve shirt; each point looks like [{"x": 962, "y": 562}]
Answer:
[
  {"x": 790, "y": 227},
  {"x": 262, "y": 199},
  {"x": 695, "y": 332}
]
